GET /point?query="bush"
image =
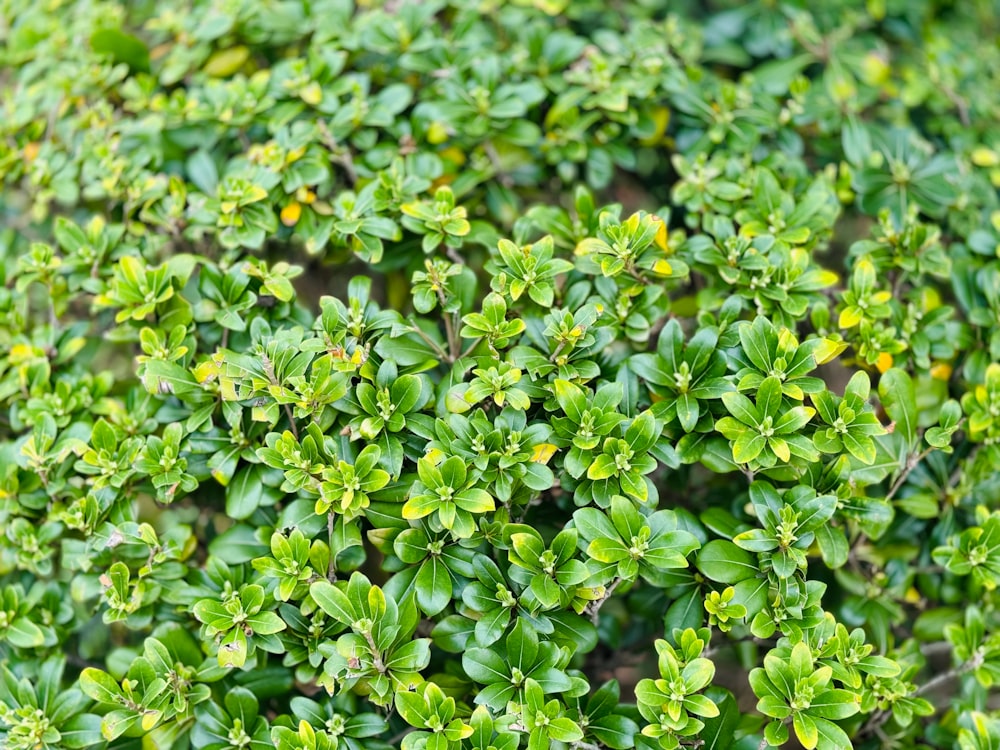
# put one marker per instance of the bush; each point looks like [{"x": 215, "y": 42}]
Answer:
[{"x": 495, "y": 374}]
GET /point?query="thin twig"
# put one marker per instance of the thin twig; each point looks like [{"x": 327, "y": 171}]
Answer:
[
  {"x": 880, "y": 717},
  {"x": 453, "y": 255},
  {"x": 941, "y": 679},
  {"x": 959, "y": 102},
  {"x": 491, "y": 152},
  {"x": 291, "y": 421},
  {"x": 429, "y": 341},
  {"x": 338, "y": 154},
  {"x": 594, "y": 608},
  {"x": 911, "y": 463},
  {"x": 331, "y": 568},
  {"x": 470, "y": 347},
  {"x": 453, "y": 342}
]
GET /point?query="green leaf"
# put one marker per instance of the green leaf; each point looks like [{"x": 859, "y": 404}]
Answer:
[
  {"x": 748, "y": 446},
  {"x": 722, "y": 561},
  {"x": 484, "y": 666},
  {"x": 116, "y": 723},
  {"x": 898, "y": 396},
  {"x": 333, "y": 601},
  {"x": 100, "y": 686},
  {"x": 834, "y": 704},
  {"x": 831, "y": 736},
  {"x": 121, "y": 48},
  {"x": 433, "y": 585},
  {"x": 742, "y": 408},
  {"x": 23, "y": 633},
  {"x": 522, "y": 646},
  {"x": 719, "y": 730},
  {"x": 832, "y": 545},
  {"x": 805, "y": 729},
  {"x": 247, "y": 492}
]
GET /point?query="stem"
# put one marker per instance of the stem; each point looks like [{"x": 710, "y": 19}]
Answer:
[
  {"x": 594, "y": 608},
  {"x": 911, "y": 464},
  {"x": 453, "y": 255},
  {"x": 338, "y": 154},
  {"x": 396, "y": 738},
  {"x": 453, "y": 343},
  {"x": 959, "y": 103},
  {"x": 470, "y": 347},
  {"x": 941, "y": 679},
  {"x": 763, "y": 744},
  {"x": 291, "y": 420},
  {"x": 897, "y": 285},
  {"x": 491, "y": 153},
  {"x": 376, "y": 655},
  {"x": 429, "y": 341},
  {"x": 273, "y": 380},
  {"x": 449, "y": 326},
  {"x": 880, "y": 717},
  {"x": 821, "y": 52},
  {"x": 331, "y": 570}
]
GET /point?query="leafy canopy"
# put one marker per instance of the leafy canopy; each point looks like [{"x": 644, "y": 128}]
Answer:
[{"x": 454, "y": 375}]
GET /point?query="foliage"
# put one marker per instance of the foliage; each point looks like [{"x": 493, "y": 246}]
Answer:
[{"x": 466, "y": 375}]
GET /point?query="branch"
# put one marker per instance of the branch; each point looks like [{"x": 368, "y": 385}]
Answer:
[
  {"x": 911, "y": 463},
  {"x": 879, "y": 718},
  {"x": 594, "y": 608}
]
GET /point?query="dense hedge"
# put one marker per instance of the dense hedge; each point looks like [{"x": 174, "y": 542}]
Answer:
[{"x": 484, "y": 374}]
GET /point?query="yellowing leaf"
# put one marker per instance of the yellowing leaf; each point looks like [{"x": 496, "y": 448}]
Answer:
[
  {"x": 875, "y": 69},
  {"x": 661, "y": 233},
  {"x": 227, "y": 62},
  {"x": 437, "y": 132},
  {"x": 456, "y": 156},
  {"x": 849, "y": 317},
  {"x": 828, "y": 278},
  {"x": 985, "y": 157},
  {"x": 941, "y": 371},
  {"x": 22, "y": 352},
  {"x": 434, "y": 455},
  {"x": 257, "y": 193},
  {"x": 150, "y": 719},
  {"x": 828, "y": 350},
  {"x": 661, "y": 118},
  {"x": 787, "y": 340},
  {"x": 206, "y": 371},
  {"x": 884, "y": 362},
  {"x": 227, "y": 387},
  {"x": 312, "y": 94},
  {"x": 588, "y": 246},
  {"x": 780, "y": 448},
  {"x": 291, "y": 213},
  {"x": 551, "y": 7},
  {"x": 662, "y": 267},
  {"x": 542, "y": 453}
]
